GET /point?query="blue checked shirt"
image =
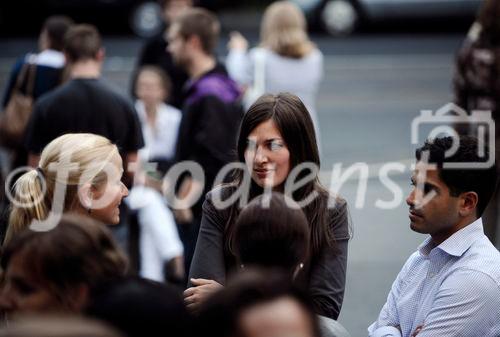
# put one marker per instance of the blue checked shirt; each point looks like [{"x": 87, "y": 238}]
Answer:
[{"x": 451, "y": 290}]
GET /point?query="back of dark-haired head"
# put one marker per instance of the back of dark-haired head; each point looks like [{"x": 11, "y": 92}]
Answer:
[
  {"x": 202, "y": 23},
  {"x": 79, "y": 250},
  {"x": 220, "y": 314},
  {"x": 272, "y": 233},
  {"x": 82, "y": 42},
  {"x": 139, "y": 307},
  {"x": 481, "y": 181},
  {"x": 56, "y": 28}
]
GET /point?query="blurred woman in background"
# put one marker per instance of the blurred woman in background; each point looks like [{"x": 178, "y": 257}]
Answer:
[{"x": 285, "y": 60}]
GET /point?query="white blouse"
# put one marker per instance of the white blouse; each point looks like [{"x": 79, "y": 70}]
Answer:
[{"x": 160, "y": 141}]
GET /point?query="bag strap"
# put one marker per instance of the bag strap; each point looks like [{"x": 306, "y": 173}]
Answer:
[
  {"x": 21, "y": 76},
  {"x": 30, "y": 85},
  {"x": 28, "y": 72},
  {"x": 259, "y": 78}
]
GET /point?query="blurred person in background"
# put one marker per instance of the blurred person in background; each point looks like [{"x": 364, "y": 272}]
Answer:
[
  {"x": 477, "y": 87},
  {"x": 49, "y": 61},
  {"x": 160, "y": 121},
  {"x": 158, "y": 252},
  {"x": 140, "y": 308},
  {"x": 94, "y": 188},
  {"x": 259, "y": 303},
  {"x": 61, "y": 270},
  {"x": 46, "y": 325},
  {"x": 276, "y": 136},
  {"x": 284, "y": 55},
  {"x": 210, "y": 115},
  {"x": 155, "y": 52},
  {"x": 85, "y": 103},
  {"x": 36, "y": 74}
]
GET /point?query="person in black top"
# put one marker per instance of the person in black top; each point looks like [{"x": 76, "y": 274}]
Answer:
[
  {"x": 37, "y": 74},
  {"x": 210, "y": 115},
  {"x": 155, "y": 53},
  {"x": 278, "y": 151},
  {"x": 85, "y": 103}
]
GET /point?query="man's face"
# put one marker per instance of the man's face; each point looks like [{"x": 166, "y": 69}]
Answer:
[
  {"x": 177, "y": 46},
  {"x": 432, "y": 209}
]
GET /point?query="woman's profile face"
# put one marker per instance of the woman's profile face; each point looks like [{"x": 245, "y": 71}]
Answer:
[
  {"x": 107, "y": 198},
  {"x": 23, "y": 291},
  {"x": 267, "y": 156}
]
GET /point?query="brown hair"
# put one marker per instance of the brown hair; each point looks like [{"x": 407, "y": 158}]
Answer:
[
  {"x": 220, "y": 315},
  {"x": 272, "y": 233},
  {"x": 56, "y": 28},
  {"x": 284, "y": 31},
  {"x": 82, "y": 42},
  {"x": 296, "y": 127},
  {"x": 488, "y": 17},
  {"x": 202, "y": 23},
  {"x": 79, "y": 250}
]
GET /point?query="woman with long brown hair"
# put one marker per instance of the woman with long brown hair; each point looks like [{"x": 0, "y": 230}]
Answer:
[{"x": 276, "y": 139}]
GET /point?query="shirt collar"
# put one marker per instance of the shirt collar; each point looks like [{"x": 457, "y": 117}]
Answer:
[
  {"x": 458, "y": 243},
  {"x": 50, "y": 58}
]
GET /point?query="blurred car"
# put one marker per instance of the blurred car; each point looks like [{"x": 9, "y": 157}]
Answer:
[
  {"x": 342, "y": 17},
  {"x": 143, "y": 17}
]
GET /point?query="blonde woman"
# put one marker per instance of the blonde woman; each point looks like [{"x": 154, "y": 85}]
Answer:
[
  {"x": 78, "y": 172},
  {"x": 290, "y": 61}
]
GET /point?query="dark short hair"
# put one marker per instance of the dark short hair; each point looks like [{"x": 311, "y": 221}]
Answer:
[
  {"x": 481, "y": 181},
  {"x": 82, "y": 42},
  {"x": 140, "y": 307},
  {"x": 219, "y": 316},
  {"x": 272, "y": 235},
  {"x": 56, "y": 28},
  {"x": 202, "y": 23}
]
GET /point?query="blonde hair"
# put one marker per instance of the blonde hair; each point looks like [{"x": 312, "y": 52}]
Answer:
[
  {"x": 283, "y": 30},
  {"x": 34, "y": 190}
]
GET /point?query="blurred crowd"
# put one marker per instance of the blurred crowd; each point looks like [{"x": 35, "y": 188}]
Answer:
[{"x": 121, "y": 216}]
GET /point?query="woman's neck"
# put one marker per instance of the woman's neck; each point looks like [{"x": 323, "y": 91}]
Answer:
[{"x": 151, "y": 113}]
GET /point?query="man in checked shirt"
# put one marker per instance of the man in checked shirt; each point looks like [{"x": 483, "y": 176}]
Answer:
[{"x": 451, "y": 285}]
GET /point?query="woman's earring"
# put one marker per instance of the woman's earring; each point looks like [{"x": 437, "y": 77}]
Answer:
[{"x": 297, "y": 270}]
